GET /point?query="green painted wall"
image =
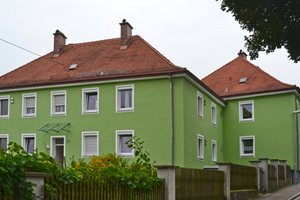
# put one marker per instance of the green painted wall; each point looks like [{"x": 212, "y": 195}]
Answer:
[{"x": 272, "y": 127}]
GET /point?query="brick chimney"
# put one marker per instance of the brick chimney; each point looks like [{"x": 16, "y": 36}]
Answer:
[
  {"x": 59, "y": 43},
  {"x": 242, "y": 54},
  {"x": 126, "y": 34}
]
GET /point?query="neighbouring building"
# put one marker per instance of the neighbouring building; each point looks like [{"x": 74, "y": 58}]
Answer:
[{"x": 90, "y": 98}]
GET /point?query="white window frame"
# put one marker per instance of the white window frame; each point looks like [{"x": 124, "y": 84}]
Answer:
[
  {"x": 213, "y": 114},
  {"x": 119, "y": 88},
  {"x": 242, "y": 154},
  {"x": 200, "y": 147},
  {"x": 118, "y": 145},
  {"x": 51, "y": 144},
  {"x": 85, "y": 92},
  {"x": 83, "y": 143},
  {"x": 214, "y": 151},
  {"x": 28, "y": 135},
  {"x": 53, "y": 94},
  {"x": 241, "y": 103},
  {"x": 6, "y": 97},
  {"x": 24, "y": 108},
  {"x": 5, "y": 136},
  {"x": 200, "y": 112}
]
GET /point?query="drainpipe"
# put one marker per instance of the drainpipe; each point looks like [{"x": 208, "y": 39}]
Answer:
[
  {"x": 296, "y": 142},
  {"x": 172, "y": 120}
]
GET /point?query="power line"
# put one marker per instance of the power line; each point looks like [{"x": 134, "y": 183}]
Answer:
[{"x": 29, "y": 51}]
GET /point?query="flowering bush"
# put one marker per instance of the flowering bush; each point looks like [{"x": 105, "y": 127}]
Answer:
[{"x": 140, "y": 174}]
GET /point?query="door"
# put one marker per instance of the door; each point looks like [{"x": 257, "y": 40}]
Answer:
[{"x": 58, "y": 144}]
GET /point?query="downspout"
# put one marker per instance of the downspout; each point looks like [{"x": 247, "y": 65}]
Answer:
[
  {"x": 296, "y": 142},
  {"x": 172, "y": 120}
]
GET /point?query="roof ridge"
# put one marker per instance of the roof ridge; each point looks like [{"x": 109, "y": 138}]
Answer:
[
  {"x": 95, "y": 41},
  {"x": 157, "y": 52}
]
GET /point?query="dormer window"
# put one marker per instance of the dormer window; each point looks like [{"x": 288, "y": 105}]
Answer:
[{"x": 243, "y": 80}]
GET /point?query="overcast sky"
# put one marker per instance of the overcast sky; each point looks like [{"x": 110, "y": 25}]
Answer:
[{"x": 191, "y": 33}]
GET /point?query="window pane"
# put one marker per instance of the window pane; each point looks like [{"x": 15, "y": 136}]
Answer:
[
  {"x": 91, "y": 145},
  {"x": 91, "y": 99},
  {"x": 248, "y": 146},
  {"x": 199, "y": 106},
  {"x": 3, "y": 143},
  {"x": 4, "y": 107},
  {"x": 213, "y": 115},
  {"x": 126, "y": 98},
  {"x": 247, "y": 111},
  {"x": 30, "y": 110},
  {"x": 123, "y": 140},
  {"x": 30, "y": 101},
  {"x": 29, "y": 145},
  {"x": 60, "y": 108},
  {"x": 59, "y": 141}
]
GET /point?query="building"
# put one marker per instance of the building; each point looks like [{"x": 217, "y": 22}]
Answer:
[{"x": 90, "y": 98}]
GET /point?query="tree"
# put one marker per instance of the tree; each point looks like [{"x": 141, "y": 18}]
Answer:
[{"x": 272, "y": 24}]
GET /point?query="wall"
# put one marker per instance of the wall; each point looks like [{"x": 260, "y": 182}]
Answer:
[{"x": 272, "y": 127}]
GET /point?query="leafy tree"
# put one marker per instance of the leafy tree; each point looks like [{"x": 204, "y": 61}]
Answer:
[{"x": 272, "y": 24}]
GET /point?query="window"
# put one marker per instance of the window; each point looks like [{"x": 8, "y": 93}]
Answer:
[
  {"x": 121, "y": 147},
  {"x": 246, "y": 109},
  {"x": 58, "y": 102},
  {"x": 28, "y": 142},
  {"x": 247, "y": 146},
  {"x": 90, "y": 144},
  {"x": 90, "y": 98},
  {"x": 124, "y": 98},
  {"x": 3, "y": 141},
  {"x": 214, "y": 151},
  {"x": 213, "y": 114},
  {"x": 200, "y": 146},
  {"x": 29, "y": 105},
  {"x": 200, "y": 104},
  {"x": 4, "y": 106}
]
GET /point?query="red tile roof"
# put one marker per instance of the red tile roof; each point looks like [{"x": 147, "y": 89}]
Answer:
[
  {"x": 225, "y": 80},
  {"x": 96, "y": 60}
]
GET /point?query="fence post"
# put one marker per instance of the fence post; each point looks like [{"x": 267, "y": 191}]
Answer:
[
  {"x": 38, "y": 179},
  {"x": 264, "y": 165},
  {"x": 257, "y": 177},
  {"x": 167, "y": 172},
  {"x": 225, "y": 167},
  {"x": 283, "y": 163},
  {"x": 275, "y": 163}
]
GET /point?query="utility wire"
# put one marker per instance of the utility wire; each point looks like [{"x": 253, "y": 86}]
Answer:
[{"x": 29, "y": 51}]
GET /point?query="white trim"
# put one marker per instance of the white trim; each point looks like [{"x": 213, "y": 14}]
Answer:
[
  {"x": 51, "y": 144},
  {"x": 118, "y": 79},
  {"x": 89, "y": 133},
  {"x": 213, "y": 117},
  {"x": 54, "y": 93},
  {"x": 214, "y": 156},
  {"x": 210, "y": 167},
  {"x": 201, "y": 88},
  {"x": 118, "y": 98},
  {"x": 5, "y": 136},
  {"x": 242, "y": 146},
  {"x": 260, "y": 94},
  {"x": 86, "y": 91},
  {"x": 8, "y": 109},
  {"x": 123, "y": 132},
  {"x": 28, "y": 135},
  {"x": 200, "y": 152},
  {"x": 24, "y": 110},
  {"x": 201, "y": 114},
  {"x": 241, "y": 103}
]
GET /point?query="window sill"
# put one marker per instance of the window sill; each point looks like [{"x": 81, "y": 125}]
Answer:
[
  {"x": 201, "y": 159},
  {"x": 29, "y": 116},
  {"x": 125, "y": 110},
  {"x": 4, "y": 117},
  {"x": 90, "y": 112},
  {"x": 247, "y": 156},
  {"x": 126, "y": 155},
  {"x": 201, "y": 117},
  {"x": 246, "y": 120},
  {"x": 58, "y": 114}
]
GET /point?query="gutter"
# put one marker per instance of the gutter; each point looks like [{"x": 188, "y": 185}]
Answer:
[{"x": 172, "y": 120}]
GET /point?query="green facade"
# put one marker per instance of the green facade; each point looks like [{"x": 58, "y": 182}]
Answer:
[{"x": 150, "y": 120}]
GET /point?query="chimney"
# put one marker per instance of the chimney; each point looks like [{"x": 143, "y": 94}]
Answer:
[
  {"x": 242, "y": 54},
  {"x": 126, "y": 34},
  {"x": 59, "y": 43}
]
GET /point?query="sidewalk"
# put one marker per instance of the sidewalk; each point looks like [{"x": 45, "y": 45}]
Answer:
[{"x": 282, "y": 194}]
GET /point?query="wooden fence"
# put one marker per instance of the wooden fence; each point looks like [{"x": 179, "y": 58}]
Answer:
[
  {"x": 199, "y": 184},
  {"x": 242, "y": 177},
  {"x": 90, "y": 189}
]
